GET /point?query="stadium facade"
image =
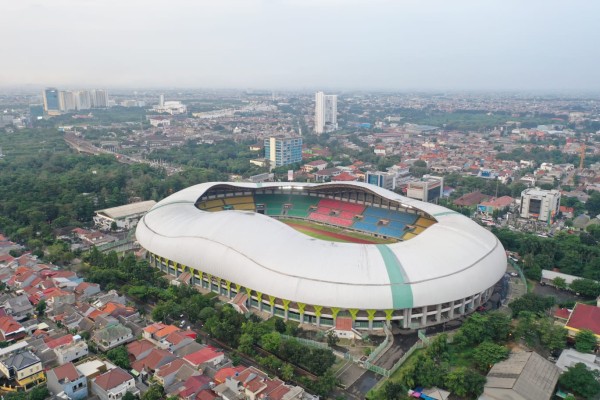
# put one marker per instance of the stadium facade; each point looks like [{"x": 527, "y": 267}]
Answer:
[{"x": 225, "y": 237}]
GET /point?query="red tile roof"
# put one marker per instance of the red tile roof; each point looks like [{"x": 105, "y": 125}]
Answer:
[
  {"x": 8, "y": 325},
  {"x": 203, "y": 355},
  {"x": 227, "y": 372},
  {"x": 176, "y": 338},
  {"x": 170, "y": 368},
  {"x": 206, "y": 394},
  {"x": 193, "y": 385},
  {"x": 112, "y": 379},
  {"x": 54, "y": 343},
  {"x": 585, "y": 317},
  {"x": 562, "y": 313},
  {"x": 66, "y": 371},
  {"x": 154, "y": 360},
  {"x": 138, "y": 347},
  {"x": 154, "y": 328}
]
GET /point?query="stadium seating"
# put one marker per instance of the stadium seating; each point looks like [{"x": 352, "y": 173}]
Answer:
[
  {"x": 240, "y": 203},
  {"x": 408, "y": 236},
  {"x": 342, "y": 205},
  {"x": 375, "y": 220},
  {"x": 274, "y": 204},
  {"x": 424, "y": 222}
]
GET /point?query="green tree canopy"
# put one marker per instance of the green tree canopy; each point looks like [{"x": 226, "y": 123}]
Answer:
[
  {"x": 581, "y": 381},
  {"x": 488, "y": 354},
  {"x": 585, "y": 341}
]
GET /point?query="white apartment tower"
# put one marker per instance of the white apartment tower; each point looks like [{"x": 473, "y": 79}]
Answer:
[
  {"x": 99, "y": 98},
  {"x": 325, "y": 112},
  {"x": 83, "y": 100}
]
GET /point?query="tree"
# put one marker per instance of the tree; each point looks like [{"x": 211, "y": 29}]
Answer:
[
  {"x": 287, "y": 372},
  {"x": 41, "y": 308},
  {"x": 552, "y": 336},
  {"x": 120, "y": 357},
  {"x": 155, "y": 392},
  {"x": 129, "y": 396},
  {"x": 559, "y": 283},
  {"x": 581, "y": 381},
  {"x": 38, "y": 393},
  {"x": 531, "y": 302},
  {"x": 332, "y": 339},
  {"x": 585, "y": 341},
  {"x": 394, "y": 391},
  {"x": 246, "y": 345},
  {"x": 488, "y": 354},
  {"x": 586, "y": 287},
  {"x": 271, "y": 341},
  {"x": 465, "y": 382}
]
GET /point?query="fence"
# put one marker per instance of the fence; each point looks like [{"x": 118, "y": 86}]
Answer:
[
  {"x": 382, "y": 347},
  {"x": 521, "y": 275},
  {"x": 308, "y": 342}
]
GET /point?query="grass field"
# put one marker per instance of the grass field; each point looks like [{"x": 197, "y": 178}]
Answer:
[{"x": 323, "y": 235}]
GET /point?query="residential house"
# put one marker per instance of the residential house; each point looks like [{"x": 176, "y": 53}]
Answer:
[
  {"x": 177, "y": 340},
  {"x": 71, "y": 351},
  {"x": 86, "y": 289},
  {"x": 148, "y": 365},
  {"x": 113, "y": 385},
  {"x": 22, "y": 368},
  {"x": 69, "y": 382},
  {"x": 207, "y": 355},
  {"x": 157, "y": 333},
  {"x": 193, "y": 385},
  {"x": 176, "y": 370},
  {"x": 318, "y": 165},
  {"x": 10, "y": 329},
  {"x": 139, "y": 349},
  {"x": 19, "y": 307},
  {"x": 112, "y": 336}
]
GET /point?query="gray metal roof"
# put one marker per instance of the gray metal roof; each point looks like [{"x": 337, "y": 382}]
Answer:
[
  {"x": 21, "y": 360},
  {"x": 525, "y": 375},
  {"x": 128, "y": 209}
]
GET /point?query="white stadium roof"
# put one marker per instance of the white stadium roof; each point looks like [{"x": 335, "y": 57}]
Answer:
[{"x": 450, "y": 260}]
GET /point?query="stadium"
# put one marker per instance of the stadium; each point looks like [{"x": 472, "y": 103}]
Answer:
[{"x": 389, "y": 259}]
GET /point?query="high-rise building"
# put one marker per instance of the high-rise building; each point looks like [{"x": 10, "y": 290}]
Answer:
[
  {"x": 325, "y": 112},
  {"x": 67, "y": 101},
  {"x": 540, "y": 204},
  {"x": 283, "y": 151},
  {"x": 51, "y": 101},
  {"x": 83, "y": 100},
  {"x": 99, "y": 98}
]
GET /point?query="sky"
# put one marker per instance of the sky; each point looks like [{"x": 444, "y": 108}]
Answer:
[{"x": 542, "y": 45}]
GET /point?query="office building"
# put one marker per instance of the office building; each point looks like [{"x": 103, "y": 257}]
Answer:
[
  {"x": 386, "y": 180},
  {"x": 427, "y": 189},
  {"x": 283, "y": 151},
  {"x": 325, "y": 112},
  {"x": 540, "y": 204},
  {"x": 51, "y": 101}
]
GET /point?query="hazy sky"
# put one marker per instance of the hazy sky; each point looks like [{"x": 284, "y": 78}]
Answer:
[{"x": 302, "y": 44}]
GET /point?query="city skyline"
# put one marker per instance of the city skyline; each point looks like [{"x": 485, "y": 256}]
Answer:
[{"x": 328, "y": 45}]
